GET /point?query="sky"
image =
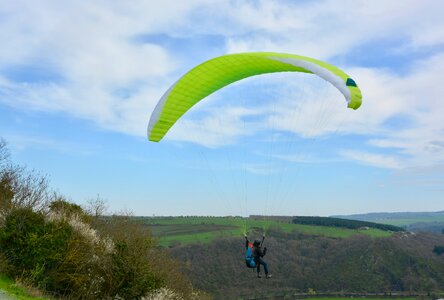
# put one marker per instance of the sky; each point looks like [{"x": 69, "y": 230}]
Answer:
[{"x": 79, "y": 80}]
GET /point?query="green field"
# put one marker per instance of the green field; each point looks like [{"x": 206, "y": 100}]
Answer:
[
  {"x": 10, "y": 290},
  {"x": 186, "y": 230}
]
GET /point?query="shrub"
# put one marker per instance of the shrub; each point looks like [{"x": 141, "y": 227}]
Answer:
[
  {"x": 59, "y": 247},
  {"x": 129, "y": 274},
  {"x": 61, "y": 253},
  {"x": 33, "y": 247}
]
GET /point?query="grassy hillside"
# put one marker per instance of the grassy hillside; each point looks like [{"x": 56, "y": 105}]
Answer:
[{"x": 189, "y": 230}]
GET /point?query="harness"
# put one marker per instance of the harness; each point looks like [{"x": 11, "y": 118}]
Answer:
[{"x": 249, "y": 257}]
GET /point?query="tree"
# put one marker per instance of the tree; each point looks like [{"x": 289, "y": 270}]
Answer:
[
  {"x": 20, "y": 187},
  {"x": 4, "y": 153},
  {"x": 438, "y": 250}
]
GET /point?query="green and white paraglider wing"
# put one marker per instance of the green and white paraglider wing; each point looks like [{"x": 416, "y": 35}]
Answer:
[{"x": 218, "y": 72}]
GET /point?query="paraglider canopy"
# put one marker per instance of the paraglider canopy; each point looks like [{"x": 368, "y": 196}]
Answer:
[{"x": 221, "y": 71}]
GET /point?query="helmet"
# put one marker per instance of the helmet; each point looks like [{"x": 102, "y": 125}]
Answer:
[{"x": 256, "y": 243}]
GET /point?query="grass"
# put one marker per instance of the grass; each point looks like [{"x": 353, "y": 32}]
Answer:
[
  {"x": 15, "y": 291},
  {"x": 187, "y": 230}
]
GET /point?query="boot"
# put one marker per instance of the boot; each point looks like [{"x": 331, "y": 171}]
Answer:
[
  {"x": 259, "y": 275},
  {"x": 268, "y": 276}
]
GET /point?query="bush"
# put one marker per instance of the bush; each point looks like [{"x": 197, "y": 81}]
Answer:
[
  {"x": 33, "y": 247},
  {"x": 129, "y": 273},
  {"x": 59, "y": 247},
  {"x": 61, "y": 253}
]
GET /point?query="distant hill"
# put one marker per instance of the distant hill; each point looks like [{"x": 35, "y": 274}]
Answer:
[
  {"x": 302, "y": 258},
  {"x": 344, "y": 223},
  {"x": 411, "y": 221},
  {"x": 404, "y": 262}
]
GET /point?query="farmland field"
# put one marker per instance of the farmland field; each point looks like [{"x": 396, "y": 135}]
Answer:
[{"x": 186, "y": 230}]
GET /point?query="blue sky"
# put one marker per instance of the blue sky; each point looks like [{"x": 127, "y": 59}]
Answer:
[{"x": 78, "y": 82}]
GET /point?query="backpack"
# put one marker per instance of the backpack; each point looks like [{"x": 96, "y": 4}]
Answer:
[{"x": 249, "y": 256}]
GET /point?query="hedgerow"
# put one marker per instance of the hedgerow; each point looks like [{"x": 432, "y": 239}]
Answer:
[{"x": 77, "y": 253}]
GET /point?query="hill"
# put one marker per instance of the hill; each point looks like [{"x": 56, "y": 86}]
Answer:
[
  {"x": 397, "y": 218},
  {"x": 301, "y": 263},
  {"x": 411, "y": 221},
  {"x": 302, "y": 258}
]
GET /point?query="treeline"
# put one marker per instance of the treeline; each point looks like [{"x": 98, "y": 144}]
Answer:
[
  {"x": 438, "y": 250},
  {"x": 337, "y": 222},
  {"x": 436, "y": 227},
  {"x": 72, "y": 252},
  {"x": 300, "y": 263}
]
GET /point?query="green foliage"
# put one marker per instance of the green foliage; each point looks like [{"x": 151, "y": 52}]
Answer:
[
  {"x": 129, "y": 273},
  {"x": 68, "y": 258},
  {"x": 32, "y": 246},
  {"x": 132, "y": 277},
  {"x": 338, "y": 222},
  {"x": 56, "y": 246},
  {"x": 68, "y": 209}
]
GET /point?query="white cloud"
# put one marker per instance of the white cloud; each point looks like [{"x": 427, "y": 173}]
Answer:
[
  {"x": 104, "y": 75},
  {"x": 91, "y": 51},
  {"x": 371, "y": 159},
  {"x": 414, "y": 100},
  {"x": 417, "y": 98},
  {"x": 325, "y": 29}
]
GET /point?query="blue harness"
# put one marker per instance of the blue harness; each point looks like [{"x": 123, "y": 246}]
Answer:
[{"x": 249, "y": 257}]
